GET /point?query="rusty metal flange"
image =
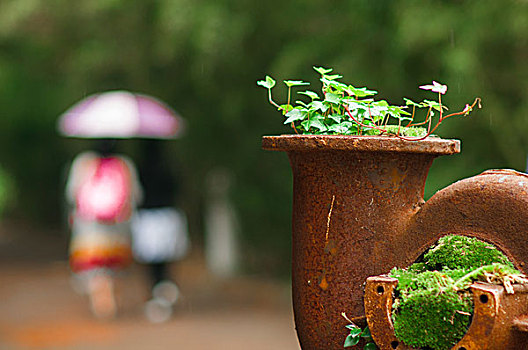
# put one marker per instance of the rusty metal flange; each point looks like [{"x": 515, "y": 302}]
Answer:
[
  {"x": 289, "y": 143},
  {"x": 499, "y": 319}
]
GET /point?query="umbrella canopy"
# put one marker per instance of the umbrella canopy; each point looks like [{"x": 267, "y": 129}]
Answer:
[{"x": 120, "y": 114}]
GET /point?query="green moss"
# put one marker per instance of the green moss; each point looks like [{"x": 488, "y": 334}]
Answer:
[
  {"x": 437, "y": 322},
  {"x": 403, "y": 131},
  {"x": 410, "y": 281},
  {"x": 461, "y": 252},
  {"x": 433, "y": 302},
  {"x": 429, "y": 310}
]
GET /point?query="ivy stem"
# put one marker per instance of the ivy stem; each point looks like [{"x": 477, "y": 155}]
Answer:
[
  {"x": 412, "y": 117},
  {"x": 280, "y": 108},
  {"x": 289, "y": 100},
  {"x": 360, "y": 123},
  {"x": 425, "y": 121},
  {"x": 431, "y": 119},
  {"x": 477, "y": 101},
  {"x": 441, "y": 107},
  {"x": 294, "y": 128},
  {"x": 429, "y": 131},
  {"x": 271, "y": 100}
]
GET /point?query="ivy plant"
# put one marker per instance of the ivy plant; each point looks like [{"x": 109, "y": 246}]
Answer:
[
  {"x": 343, "y": 109},
  {"x": 356, "y": 334}
]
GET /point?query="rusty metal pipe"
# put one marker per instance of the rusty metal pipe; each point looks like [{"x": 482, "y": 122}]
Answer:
[
  {"x": 353, "y": 200},
  {"x": 358, "y": 211}
]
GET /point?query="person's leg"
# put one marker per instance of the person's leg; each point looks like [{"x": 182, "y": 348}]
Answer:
[
  {"x": 164, "y": 292},
  {"x": 158, "y": 273},
  {"x": 101, "y": 294},
  {"x": 163, "y": 286}
]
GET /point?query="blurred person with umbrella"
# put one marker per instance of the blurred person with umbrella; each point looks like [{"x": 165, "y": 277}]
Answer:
[
  {"x": 159, "y": 230},
  {"x": 103, "y": 189}
]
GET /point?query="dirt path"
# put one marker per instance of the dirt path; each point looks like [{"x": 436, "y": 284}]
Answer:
[{"x": 40, "y": 310}]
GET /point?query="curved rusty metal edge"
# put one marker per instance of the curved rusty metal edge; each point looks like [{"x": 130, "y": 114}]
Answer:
[
  {"x": 431, "y": 145},
  {"x": 504, "y": 172},
  {"x": 488, "y": 316},
  {"x": 491, "y": 206}
]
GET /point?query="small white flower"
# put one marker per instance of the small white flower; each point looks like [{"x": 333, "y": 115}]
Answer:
[{"x": 436, "y": 87}]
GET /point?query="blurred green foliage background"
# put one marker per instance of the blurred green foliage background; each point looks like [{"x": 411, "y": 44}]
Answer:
[{"x": 203, "y": 57}]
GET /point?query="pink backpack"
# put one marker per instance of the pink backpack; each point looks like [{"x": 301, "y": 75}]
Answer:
[{"x": 105, "y": 195}]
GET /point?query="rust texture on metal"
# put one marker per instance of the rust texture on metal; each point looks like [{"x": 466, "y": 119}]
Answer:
[
  {"x": 358, "y": 211},
  {"x": 378, "y": 306},
  {"x": 497, "y": 317},
  {"x": 521, "y": 323}
]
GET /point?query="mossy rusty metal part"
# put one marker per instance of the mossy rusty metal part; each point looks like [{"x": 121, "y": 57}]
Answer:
[
  {"x": 358, "y": 211},
  {"x": 499, "y": 318}
]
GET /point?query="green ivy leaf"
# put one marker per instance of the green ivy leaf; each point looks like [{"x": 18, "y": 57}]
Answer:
[
  {"x": 370, "y": 346},
  {"x": 333, "y": 77},
  {"x": 313, "y": 95},
  {"x": 318, "y": 105},
  {"x": 351, "y": 341},
  {"x": 295, "y": 115},
  {"x": 268, "y": 83},
  {"x": 332, "y": 98},
  {"x": 319, "y": 125},
  {"x": 357, "y": 105},
  {"x": 366, "y": 333},
  {"x": 409, "y": 102},
  {"x": 378, "y": 110},
  {"x": 322, "y": 70},
  {"x": 291, "y": 83},
  {"x": 285, "y": 108},
  {"x": 336, "y": 117},
  {"x": 331, "y": 84},
  {"x": 299, "y": 102},
  {"x": 314, "y": 123},
  {"x": 360, "y": 92},
  {"x": 344, "y": 128},
  {"x": 380, "y": 103},
  {"x": 434, "y": 104},
  {"x": 399, "y": 113}
]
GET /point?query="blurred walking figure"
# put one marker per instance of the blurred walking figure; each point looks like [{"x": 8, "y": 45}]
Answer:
[
  {"x": 221, "y": 225},
  {"x": 103, "y": 191},
  {"x": 159, "y": 231}
]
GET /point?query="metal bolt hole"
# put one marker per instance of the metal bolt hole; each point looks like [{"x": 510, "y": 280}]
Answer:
[
  {"x": 395, "y": 344},
  {"x": 380, "y": 290},
  {"x": 483, "y": 299}
]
